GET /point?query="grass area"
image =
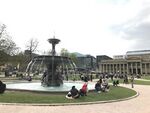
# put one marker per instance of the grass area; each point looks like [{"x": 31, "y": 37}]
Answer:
[
  {"x": 138, "y": 82},
  {"x": 29, "y": 97},
  {"x": 146, "y": 77}
]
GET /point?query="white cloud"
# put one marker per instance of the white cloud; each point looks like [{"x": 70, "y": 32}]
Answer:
[{"x": 137, "y": 28}]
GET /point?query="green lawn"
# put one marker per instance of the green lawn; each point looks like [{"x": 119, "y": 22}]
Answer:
[
  {"x": 29, "y": 97},
  {"x": 138, "y": 82},
  {"x": 146, "y": 77}
]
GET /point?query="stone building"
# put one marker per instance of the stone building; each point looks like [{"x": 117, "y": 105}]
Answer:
[
  {"x": 133, "y": 62},
  {"x": 99, "y": 58},
  {"x": 86, "y": 62}
]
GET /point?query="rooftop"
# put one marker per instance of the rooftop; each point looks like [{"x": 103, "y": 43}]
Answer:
[{"x": 138, "y": 52}]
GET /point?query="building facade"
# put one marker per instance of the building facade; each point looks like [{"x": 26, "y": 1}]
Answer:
[
  {"x": 134, "y": 62},
  {"x": 99, "y": 58},
  {"x": 86, "y": 62}
]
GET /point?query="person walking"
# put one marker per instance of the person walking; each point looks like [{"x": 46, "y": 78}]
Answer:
[{"x": 132, "y": 81}]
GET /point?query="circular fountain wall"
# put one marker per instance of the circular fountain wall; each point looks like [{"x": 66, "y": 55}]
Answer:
[{"x": 65, "y": 87}]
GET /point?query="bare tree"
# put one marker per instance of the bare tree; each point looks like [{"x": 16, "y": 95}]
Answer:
[
  {"x": 7, "y": 45},
  {"x": 32, "y": 46}
]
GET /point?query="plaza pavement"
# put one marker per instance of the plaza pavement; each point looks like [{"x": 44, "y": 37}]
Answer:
[{"x": 140, "y": 104}]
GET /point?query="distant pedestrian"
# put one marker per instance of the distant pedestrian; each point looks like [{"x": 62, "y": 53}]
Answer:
[
  {"x": 91, "y": 77},
  {"x": 132, "y": 81}
]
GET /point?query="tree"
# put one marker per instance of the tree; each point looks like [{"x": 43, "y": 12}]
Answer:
[
  {"x": 32, "y": 46},
  {"x": 3, "y": 58},
  {"x": 20, "y": 60},
  {"x": 7, "y": 45},
  {"x": 73, "y": 57},
  {"x": 64, "y": 52}
]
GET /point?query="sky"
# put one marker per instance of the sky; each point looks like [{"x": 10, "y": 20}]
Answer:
[{"x": 95, "y": 27}]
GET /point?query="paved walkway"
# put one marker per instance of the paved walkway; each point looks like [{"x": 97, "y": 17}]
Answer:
[{"x": 140, "y": 104}]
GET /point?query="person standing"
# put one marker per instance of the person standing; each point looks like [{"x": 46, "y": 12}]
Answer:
[
  {"x": 132, "y": 81},
  {"x": 91, "y": 77}
]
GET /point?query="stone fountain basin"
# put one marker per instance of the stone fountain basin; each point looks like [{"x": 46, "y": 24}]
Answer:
[{"x": 37, "y": 87}]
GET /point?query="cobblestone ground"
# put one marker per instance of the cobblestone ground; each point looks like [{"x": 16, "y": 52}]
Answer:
[{"x": 140, "y": 104}]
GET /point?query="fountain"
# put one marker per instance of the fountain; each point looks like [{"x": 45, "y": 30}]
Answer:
[{"x": 53, "y": 67}]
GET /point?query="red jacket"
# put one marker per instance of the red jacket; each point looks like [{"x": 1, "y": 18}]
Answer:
[{"x": 84, "y": 88}]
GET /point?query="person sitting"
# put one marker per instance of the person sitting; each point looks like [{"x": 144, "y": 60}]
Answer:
[
  {"x": 2, "y": 87},
  {"x": 74, "y": 93},
  {"x": 29, "y": 78},
  {"x": 83, "y": 90},
  {"x": 105, "y": 86},
  {"x": 98, "y": 87}
]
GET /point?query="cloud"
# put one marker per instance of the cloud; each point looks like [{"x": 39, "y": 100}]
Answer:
[{"x": 137, "y": 29}]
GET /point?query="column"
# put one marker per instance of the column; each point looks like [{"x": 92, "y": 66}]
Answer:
[
  {"x": 131, "y": 68},
  {"x": 145, "y": 69},
  {"x": 141, "y": 68},
  {"x": 110, "y": 68},
  {"x": 116, "y": 68},
  {"x": 103, "y": 68},
  {"x": 123, "y": 68},
  {"x": 127, "y": 68},
  {"x": 113, "y": 69},
  {"x": 136, "y": 66},
  {"x": 107, "y": 68},
  {"x": 100, "y": 67},
  {"x": 120, "y": 68}
]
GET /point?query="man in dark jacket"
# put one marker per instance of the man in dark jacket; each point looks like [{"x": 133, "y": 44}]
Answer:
[
  {"x": 2, "y": 87},
  {"x": 74, "y": 92}
]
